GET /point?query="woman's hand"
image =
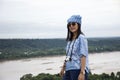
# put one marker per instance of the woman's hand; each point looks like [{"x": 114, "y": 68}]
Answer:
[{"x": 81, "y": 76}]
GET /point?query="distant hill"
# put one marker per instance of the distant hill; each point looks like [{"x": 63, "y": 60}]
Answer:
[{"x": 24, "y": 48}]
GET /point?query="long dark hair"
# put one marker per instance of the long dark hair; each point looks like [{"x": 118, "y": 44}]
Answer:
[{"x": 70, "y": 34}]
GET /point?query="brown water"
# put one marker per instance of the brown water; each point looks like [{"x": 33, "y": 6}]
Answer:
[{"x": 12, "y": 70}]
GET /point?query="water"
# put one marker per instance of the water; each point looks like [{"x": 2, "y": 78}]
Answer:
[{"x": 12, "y": 70}]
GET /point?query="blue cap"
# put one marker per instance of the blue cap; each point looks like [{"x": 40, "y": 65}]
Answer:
[{"x": 75, "y": 18}]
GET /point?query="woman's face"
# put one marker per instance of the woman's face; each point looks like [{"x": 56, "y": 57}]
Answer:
[{"x": 73, "y": 27}]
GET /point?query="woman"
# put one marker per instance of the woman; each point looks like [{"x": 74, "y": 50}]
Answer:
[{"x": 76, "y": 62}]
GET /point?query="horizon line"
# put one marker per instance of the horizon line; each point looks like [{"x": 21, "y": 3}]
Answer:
[{"x": 63, "y": 37}]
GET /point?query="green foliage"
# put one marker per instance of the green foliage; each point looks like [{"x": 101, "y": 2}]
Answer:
[
  {"x": 41, "y": 76},
  {"x": 105, "y": 76},
  {"x": 25, "y": 48},
  {"x": 26, "y": 77},
  {"x": 44, "y": 76}
]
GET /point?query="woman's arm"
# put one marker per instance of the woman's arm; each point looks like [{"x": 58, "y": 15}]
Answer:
[
  {"x": 62, "y": 70},
  {"x": 83, "y": 63},
  {"x": 82, "y": 71}
]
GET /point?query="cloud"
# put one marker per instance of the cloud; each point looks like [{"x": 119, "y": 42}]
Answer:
[{"x": 20, "y": 18}]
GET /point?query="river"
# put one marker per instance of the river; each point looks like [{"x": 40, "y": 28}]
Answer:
[{"x": 13, "y": 69}]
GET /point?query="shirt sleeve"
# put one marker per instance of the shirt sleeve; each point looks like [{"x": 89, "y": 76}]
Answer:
[{"x": 83, "y": 46}]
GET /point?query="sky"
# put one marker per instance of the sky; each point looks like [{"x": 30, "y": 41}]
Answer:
[{"x": 48, "y": 18}]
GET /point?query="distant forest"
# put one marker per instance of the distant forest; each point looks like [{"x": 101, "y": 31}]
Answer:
[{"x": 25, "y": 48}]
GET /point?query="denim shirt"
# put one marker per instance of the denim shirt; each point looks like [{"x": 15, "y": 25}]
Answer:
[{"x": 79, "y": 48}]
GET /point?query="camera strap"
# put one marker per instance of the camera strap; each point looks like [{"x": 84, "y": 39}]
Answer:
[{"x": 71, "y": 50}]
